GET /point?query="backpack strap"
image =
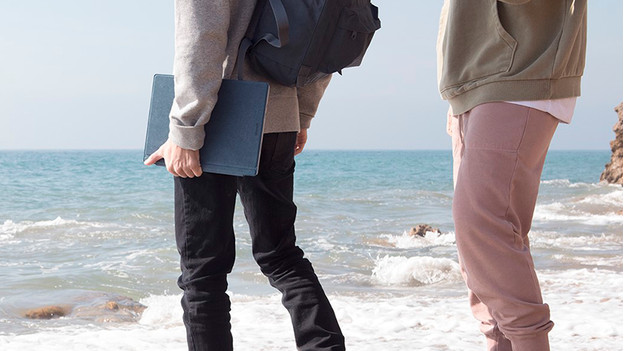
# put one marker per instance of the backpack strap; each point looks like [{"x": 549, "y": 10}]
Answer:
[{"x": 282, "y": 39}]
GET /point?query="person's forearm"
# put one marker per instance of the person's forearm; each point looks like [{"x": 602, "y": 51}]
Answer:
[{"x": 201, "y": 28}]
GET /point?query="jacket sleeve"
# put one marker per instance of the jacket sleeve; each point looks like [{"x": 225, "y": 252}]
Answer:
[
  {"x": 309, "y": 98},
  {"x": 201, "y": 35}
]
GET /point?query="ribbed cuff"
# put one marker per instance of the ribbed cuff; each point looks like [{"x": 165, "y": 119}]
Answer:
[
  {"x": 305, "y": 120},
  {"x": 191, "y": 138},
  {"x": 537, "y": 342}
]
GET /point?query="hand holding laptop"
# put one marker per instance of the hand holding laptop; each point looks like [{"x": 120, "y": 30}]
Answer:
[
  {"x": 233, "y": 134},
  {"x": 179, "y": 162}
]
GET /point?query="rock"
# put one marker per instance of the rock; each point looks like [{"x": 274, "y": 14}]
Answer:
[
  {"x": 48, "y": 312},
  {"x": 422, "y": 230},
  {"x": 121, "y": 309},
  {"x": 97, "y": 307},
  {"x": 112, "y": 306},
  {"x": 613, "y": 170}
]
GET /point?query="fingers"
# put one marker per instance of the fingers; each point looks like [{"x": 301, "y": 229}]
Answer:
[
  {"x": 196, "y": 170},
  {"x": 192, "y": 167},
  {"x": 178, "y": 161},
  {"x": 185, "y": 168},
  {"x": 302, "y": 138},
  {"x": 178, "y": 170},
  {"x": 298, "y": 149}
]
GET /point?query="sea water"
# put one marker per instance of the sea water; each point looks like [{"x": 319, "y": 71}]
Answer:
[{"x": 78, "y": 225}]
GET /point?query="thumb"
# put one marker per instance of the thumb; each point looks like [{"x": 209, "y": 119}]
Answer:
[{"x": 153, "y": 158}]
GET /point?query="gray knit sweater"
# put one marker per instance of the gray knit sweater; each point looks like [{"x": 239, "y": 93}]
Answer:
[{"x": 207, "y": 36}]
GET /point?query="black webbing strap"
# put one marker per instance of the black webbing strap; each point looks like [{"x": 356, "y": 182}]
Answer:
[
  {"x": 281, "y": 20},
  {"x": 282, "y": 39}
]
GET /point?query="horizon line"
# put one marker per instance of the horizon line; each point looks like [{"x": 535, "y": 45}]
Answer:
[{"x": 311, "y": 149}]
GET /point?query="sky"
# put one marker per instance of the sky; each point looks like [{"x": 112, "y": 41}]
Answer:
[{"x": 77, "y": 75}]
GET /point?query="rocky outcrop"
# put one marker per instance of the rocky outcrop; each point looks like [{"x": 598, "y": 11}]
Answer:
[
  {"x": 422, "y": 229},
  {"x": 613, "y": 170},
  {"x": 97, "y": 307}
]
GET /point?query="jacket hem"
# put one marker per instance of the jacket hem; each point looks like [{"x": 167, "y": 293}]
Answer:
[{"x": 515, "y": 90}]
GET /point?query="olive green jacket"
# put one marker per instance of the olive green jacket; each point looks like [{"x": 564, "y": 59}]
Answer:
[{"x": 510, "y": 50}]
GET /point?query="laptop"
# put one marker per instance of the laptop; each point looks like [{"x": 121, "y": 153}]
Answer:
[{"x": 233, "y": 133}]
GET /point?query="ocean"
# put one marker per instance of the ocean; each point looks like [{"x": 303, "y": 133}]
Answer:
[{"x": 79, "y": 229}]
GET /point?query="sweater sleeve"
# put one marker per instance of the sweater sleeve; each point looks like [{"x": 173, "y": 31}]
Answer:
[
  {"x": 201, "y": 35},
  {"x": 309, "y": 98},
  {"x": 515, "y": 2}
]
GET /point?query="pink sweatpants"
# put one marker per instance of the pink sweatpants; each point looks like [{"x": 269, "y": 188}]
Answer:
[{"x": 498, "y": 156}]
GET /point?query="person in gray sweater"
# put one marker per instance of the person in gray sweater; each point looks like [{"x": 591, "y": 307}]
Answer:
[{"x": 207, "y": 36}]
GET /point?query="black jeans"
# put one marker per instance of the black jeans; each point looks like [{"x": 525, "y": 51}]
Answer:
[{"x": 204, "y": 210}]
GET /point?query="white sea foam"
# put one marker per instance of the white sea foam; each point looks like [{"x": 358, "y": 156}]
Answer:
[
  {"x": 162, "y": 310},
  {"x": 59, "y": 228},
  {"x": 558, "y": 211},
  {"x": 6, "y": 236},
  {"x": 600, "y": 204},
  {"x": 414, "y": 270},
  {"x": 586, "y": 306},
  {"x": 560, "y": 182},
  {"x": 324, "y": 245},
  {"x": 609, "y": 262},
  {"x": 10, "y": 228},
  {"x": 581, "y": 242},
  {"x": 613, "y": 198},
  {"x": 406, "y": 241},
  {"x": 14, "y": 228},
  {"x": 566, "y": 183}
]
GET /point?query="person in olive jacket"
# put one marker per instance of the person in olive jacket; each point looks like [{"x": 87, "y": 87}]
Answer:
[{"x": 511, "y": 71}]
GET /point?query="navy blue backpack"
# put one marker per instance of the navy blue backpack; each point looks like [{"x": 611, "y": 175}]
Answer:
[{"x": 296, "y": 42}]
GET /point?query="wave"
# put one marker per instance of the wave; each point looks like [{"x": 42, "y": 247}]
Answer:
[
  {"x": 613, "y": 198},
  {"x": 414, "y": 270},
  {"x": 566, "y": 183},
  {"x": 163, "y": 310},
  {"x": 568, "y": 212},
  {"x": 606, "y": 262},
  {"x": 581, "y": 242},
  {"x": 59, "y": 228},
  {"x": 10, "y": 227},
  {"x": 407, "y": 241},
  {"x": 562, "y": 182},
  {"x": 586, "y": 208}
]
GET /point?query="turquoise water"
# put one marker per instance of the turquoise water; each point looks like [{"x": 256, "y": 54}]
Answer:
[
  {"x": 73, "y": 222},
  {"x": 114, "y": 185}
]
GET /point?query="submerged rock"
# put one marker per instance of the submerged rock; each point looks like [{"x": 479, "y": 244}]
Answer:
[
  {"x": 613, "y": 170},
  {"x": 97, "y": 307},
  {"x": 422, "y": 229},
  {"x": 48, "y": 312}
]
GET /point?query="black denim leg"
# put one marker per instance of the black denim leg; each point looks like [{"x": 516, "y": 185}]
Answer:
[
  {"x": 204, "y": 209},
  {"x": 270, "y": 212}
]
